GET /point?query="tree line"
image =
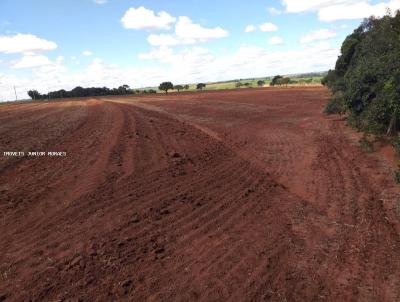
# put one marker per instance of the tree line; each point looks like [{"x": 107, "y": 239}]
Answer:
[
  {"x": 104, "y": 91},
  {"x": 85, "y": 92},
  {"x": 365, "y": 83},
  {"x": 166, "y": 86}
]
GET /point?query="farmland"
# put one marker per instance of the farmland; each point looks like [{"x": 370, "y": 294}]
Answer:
[{"x": 240, "y": 195}]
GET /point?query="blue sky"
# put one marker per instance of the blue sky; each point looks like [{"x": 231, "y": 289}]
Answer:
[{"x": 48, "y": 44}]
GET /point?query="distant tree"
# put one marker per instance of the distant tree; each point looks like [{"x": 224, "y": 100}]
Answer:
[
  {"x": 285, "y": 81},
  {"x": 275, "y": 80},
  {"x": 165, "y": 86},
  {"x": 200, "y": 86},
  {"x": 247, "y": 84},
  {"x": 122, "y": 90},
  {"x": 178, "y": 87},
  {"x": 238, "y": 84},
  {"x": 261, "y": 83},
  {"x": 34, "y": 94},
  {"x": 186, "y": 87},
  {"x": 78, "y": 92},
  {"x": 282, "y": 81}
]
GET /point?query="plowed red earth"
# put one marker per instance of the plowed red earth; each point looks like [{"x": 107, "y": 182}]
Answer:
[{"x": 249, "y": 195}]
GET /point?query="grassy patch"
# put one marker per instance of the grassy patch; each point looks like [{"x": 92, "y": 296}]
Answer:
[
  {"x": 396, "y": 145},
  {"x": 366, "y": 144}
]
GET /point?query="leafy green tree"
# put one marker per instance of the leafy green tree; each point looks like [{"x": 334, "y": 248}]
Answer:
[
  {"x": 366, "y": 80},
  {"x": 200, "y": 86},
  {"x": 165, "y": 86},
  {"x": 260, "y": 83},
  {"x": 178, "y": 87},
  {"x": 186, "y": 87}
]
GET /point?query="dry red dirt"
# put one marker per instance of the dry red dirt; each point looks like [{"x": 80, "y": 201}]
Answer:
[{"x": 249, "y": 195}]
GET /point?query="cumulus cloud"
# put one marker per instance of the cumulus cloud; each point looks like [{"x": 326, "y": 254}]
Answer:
[
  {"x": 162, "y": 40},
  {"x": 21, "y": 43},
  {"x": 276, "y": 40},
  {"x": 268, "y": 27},
  {"x": 318, "y": 35},
  {"x": 143, "y": 18},
  {"x": 87, "y": 53},
  {"x": 187, "y": 30},
  {"x": 332, "y": 10},
  {"x": 250, "y": 28},
  {"x": 162, "y": 54},
  {"x": 357, "y": 10},
  {"x": 30, "y": 61}
]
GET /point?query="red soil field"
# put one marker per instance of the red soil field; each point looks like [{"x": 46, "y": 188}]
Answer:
[{"x": 247, "y": 195}]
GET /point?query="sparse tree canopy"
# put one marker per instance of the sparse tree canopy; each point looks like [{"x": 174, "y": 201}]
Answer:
[
  {"x": 200, "y": 86},
  {"x": 261, "y": 83},
  {"x": 178, "y": 87},
  {"x": 366, "y": 78},
  {"x": 238, "y": 84},
  {"x": 165, "y": 86}
]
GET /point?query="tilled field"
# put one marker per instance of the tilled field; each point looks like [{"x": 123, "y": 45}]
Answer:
[{"x": 249, "y": 195}]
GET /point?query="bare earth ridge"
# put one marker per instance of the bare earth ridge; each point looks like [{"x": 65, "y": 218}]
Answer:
[{"x": 248, "y": 195}]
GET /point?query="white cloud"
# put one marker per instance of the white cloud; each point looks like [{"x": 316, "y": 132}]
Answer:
[
  {"x": 163, "y": 40},
  {"x": 250, "y": 28},
  {"x": 318, "y": 35},
  {"x": 358, "y": 10},
  {"x": 20, "y": 43},
  {"x": 276, "y": 40},
  {"x": 31, "y": 61},
  {"x": 87, "y": 53},
  {"x": 143, "y": 18},
  {"x": 332, "y": 10},
  {"x": 187, "y": 30},
  {"x": 162, "y": 54},
  {"x": 297, "y": 6},
  {"x": 274, "y": 11},
  {"x": 267, "y": 27},
  {"x": 100, "y": 1}
]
